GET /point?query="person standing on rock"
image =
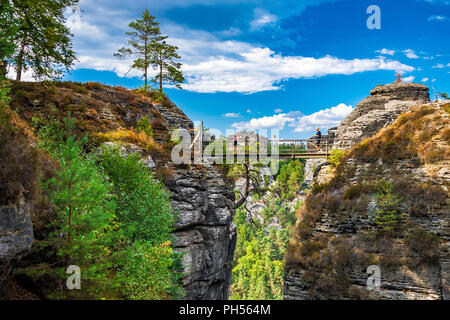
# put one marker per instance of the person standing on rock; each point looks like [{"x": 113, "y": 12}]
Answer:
[{"x": 317, "y": 137}]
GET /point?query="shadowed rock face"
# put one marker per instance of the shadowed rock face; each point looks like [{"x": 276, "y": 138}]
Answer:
[
  {"x": 380, "y": 109},
  {"x": 16, "y": 235},
  {"x": 205, "y": 230}
]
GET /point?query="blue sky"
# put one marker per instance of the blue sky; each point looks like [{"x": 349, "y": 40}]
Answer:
[{"x": 292, "y": 65}]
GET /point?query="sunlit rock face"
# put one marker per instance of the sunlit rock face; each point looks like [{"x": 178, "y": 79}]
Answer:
[
  {"x": 337, "y": 237},
  {"x": 380, "y": 109}
]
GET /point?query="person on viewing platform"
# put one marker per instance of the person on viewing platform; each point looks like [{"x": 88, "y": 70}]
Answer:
[{"x": 317, "y": 137}]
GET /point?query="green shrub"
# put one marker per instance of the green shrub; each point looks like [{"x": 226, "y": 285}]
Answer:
[
  {"x": 146, "y": 221},
  {"x": 388, "y": 215},
  {"x": 336, "y": 157},
  {"x": 85, "y": 210},
  {"x": 318, "y": 187},
  {"x": 4, "y": 91},
  {"x": 145, "y": 126},
  {"x": 114, "y": 220}
]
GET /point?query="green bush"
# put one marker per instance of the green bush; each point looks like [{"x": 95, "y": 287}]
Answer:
[
  {"x": 144, "y": 125},
  {"x": 114, "y": 220},
  {"x": 146, "y": 221},
  {"x": 4, "y": 91},
  {"x": 85, "y": 210},
  {"x": 336, "y": 157},
  {"x": 388, "y": 215},
  {"x": 144, "y": 205}
]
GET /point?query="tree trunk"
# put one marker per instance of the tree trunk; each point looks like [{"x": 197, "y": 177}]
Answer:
[
  {"x": 3, "y": 68},
  {"x": 247, "y": 187},
  {"x": 69, "y": 236},
  {"x": 20, "y": 59},
  {"x": 145, "y": 75},
  {"x": 160, "y": 74},
  {"x": 145, "y": 65}
]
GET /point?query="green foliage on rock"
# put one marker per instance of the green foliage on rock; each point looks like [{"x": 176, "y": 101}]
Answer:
[
  {"x": 389, "y": 212},
  {"x": 85, "y": 211},
  {"x": 113, "y": 220},
  {"x": 336, "y": 157},
  {"x": 4, "y": 91},
  {"x": 145, "y": 126},
  {"x": 144, "y": 205}
]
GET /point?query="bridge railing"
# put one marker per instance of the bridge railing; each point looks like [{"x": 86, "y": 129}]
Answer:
[{"x": 286, "y": 148}]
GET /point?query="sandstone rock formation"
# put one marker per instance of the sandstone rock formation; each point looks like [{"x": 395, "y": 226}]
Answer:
[
  {"x": 337, "y": 236},
  {"x": 16, "y": 235},
  {"x": 202, "y": 197},
  {"x": 381, "y": 108},
  {"x": 204, "y": 231}
]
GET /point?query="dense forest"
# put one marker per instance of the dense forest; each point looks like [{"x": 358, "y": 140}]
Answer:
[{"x": 258, "y": 272}]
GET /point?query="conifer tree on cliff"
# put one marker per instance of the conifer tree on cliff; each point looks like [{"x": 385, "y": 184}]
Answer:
[
  {"x": 169, "y": 71},
  {"x": 148, "y": 47},
  {"x": 42, "y": 40}
]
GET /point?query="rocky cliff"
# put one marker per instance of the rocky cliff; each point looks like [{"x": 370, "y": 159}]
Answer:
[
  {"x": 381, "y": 108},
  {"x": 387, "y": 205},
  {"x": 202, "y": 197},
  {"x": 205, "y": 231}
]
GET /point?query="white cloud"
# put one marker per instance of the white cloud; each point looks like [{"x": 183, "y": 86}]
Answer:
[
  {"x": 261, "y": 18},
  {"x": 26, "y": 75},
  {"x": 425, "y": 79},
  {"x": 278, "y": 110},
  {"x": 410, "y": 54},
  {"x": 260, "y": 69},
  {"x": 231, "y": 115},
  {"x": 386, "y": 51},
  {"x": 438, "y": 66},
  {"x": 409, "y": 79},
  {"x": 276, "y": 121},
  {"x": 230, "y": 32},
  {"x": 437, "y": 18},
  {"x": 249, "y": 111},
  {"x": 326, "y": 118},
  {"x": 209, "y": 63}
]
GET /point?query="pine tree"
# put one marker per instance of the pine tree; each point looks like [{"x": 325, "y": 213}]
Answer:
[
  {"x": 145, "y": 35},
  {"x": 78, "y": 190},
  {"x": 388, "y": 215},
  {"x": 42, "y": 40},
  {"x": 163, "y": 60},
  {"x": 85, "y": 207}
]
